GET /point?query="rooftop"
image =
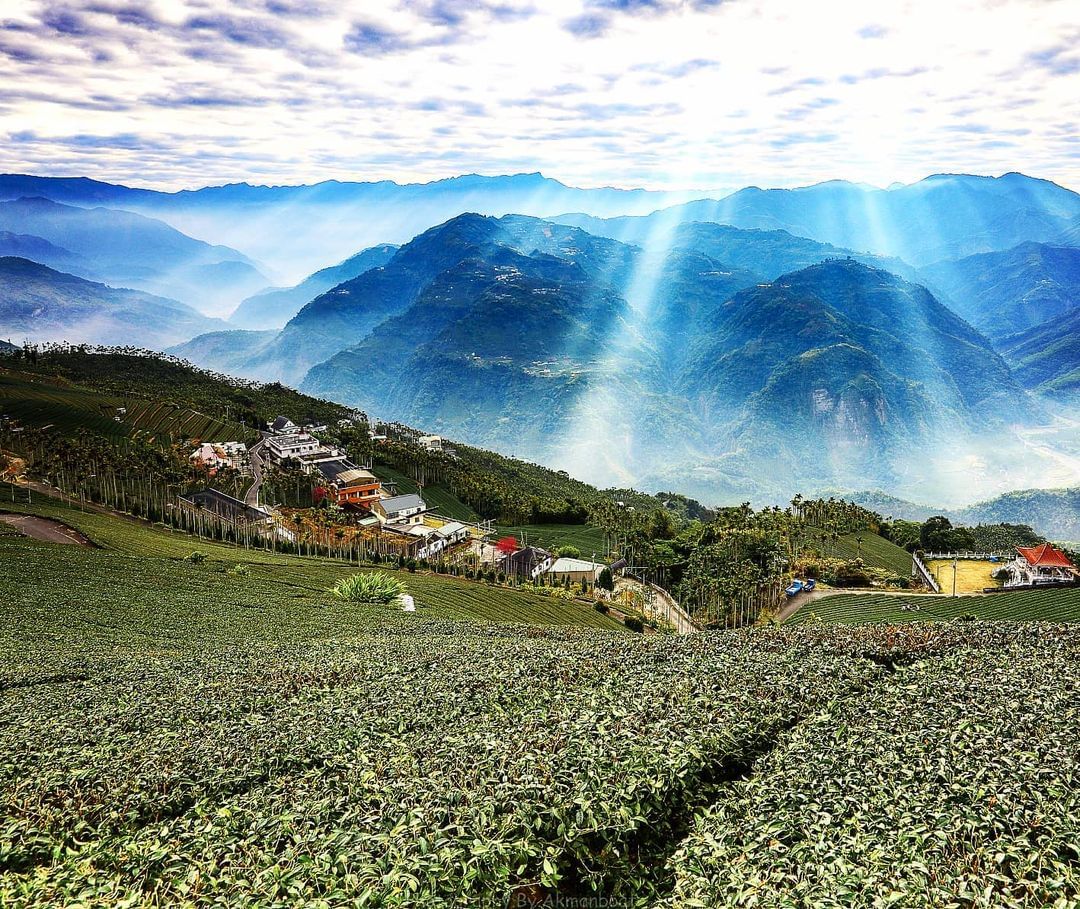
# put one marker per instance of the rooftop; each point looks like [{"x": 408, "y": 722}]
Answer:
[
  {"x": 1046, "y": 556},
  {"x": 565, "y": 565},
  {"x": 403, "y": 503}
]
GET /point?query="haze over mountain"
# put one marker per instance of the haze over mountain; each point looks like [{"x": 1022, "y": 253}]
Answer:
[
  {"x": 338, "y": 217},
  {"x": 657, "y": 350},
  {"x": 130, "y": 250},
  {"x": 945, "y": 216},
  {"x": 273, "y": 308},
  {"x": 1010, "y": 291},
  {"x": 47, "y": 305}
]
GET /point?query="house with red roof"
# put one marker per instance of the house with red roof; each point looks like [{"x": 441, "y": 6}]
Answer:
[{"x": 1036, "y": 565}]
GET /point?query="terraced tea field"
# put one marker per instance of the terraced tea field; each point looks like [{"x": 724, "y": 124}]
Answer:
[
  {"x": 174, "y": 734},
  {"x": 874, "y": 550},
  {"x": 40, "y": 403},
  {"x": 1022, "y": 606},
  {"x": 228, "y": 733}
]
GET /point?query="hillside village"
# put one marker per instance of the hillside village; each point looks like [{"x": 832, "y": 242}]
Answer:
[{"x": 361, "y": 506}]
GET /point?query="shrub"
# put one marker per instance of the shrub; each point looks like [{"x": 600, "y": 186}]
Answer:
[
  {"x": 602, "y": 608},
  {"x": 239, "y": 569},
  {"x": 368, "y": 587},
  {"x": 606, "y": 581},
  {"x": 634, "y": 624},
  {"x": 196, "y": 557}
]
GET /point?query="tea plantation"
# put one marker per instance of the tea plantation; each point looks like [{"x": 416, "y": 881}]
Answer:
[{"x": 180, "y": 733}]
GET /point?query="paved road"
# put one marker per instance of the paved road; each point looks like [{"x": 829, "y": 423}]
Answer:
[
  {"x": 663, "y": 605},
  {"x": 44, "y": 529},
  {"x": 251, "y": 497}
]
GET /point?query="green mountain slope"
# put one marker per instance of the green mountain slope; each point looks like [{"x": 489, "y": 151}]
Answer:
[
  {"x": 1003, "y": 293},
  {"x": 1046, "y": 358}
]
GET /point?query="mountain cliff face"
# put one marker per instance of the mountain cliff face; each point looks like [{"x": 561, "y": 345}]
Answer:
[{"x": 46, "y": 305}]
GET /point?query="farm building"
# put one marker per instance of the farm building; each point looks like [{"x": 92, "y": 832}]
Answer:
[
  {"x": 575, "y": 570},
  {"x": 407, "y": 509},
  {"x": 231, "y": 511},
  {"x": 283, "y": 426},
  {"x": 529, "y": 562},
  {"x": 350, "y": 484},
  {"x": 1036, "y": 565}
]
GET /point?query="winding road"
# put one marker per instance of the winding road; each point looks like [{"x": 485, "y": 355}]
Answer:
[{"x": 251, "y": 497}]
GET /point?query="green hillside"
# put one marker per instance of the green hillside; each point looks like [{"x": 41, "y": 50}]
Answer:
[
  {"x": 874, "y": 550},
  {"x": 1022, "y": 606},
  {"x": 146, "y": 565},
  {"x": 586, "y": 538},
  {"x": 186, "y": 734}
]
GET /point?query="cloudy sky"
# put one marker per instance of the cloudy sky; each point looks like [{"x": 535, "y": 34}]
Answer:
[{"x": 659, "y": 93}]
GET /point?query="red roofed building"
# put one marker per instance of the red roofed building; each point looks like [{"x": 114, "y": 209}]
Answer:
[{"x": 1034, "y": 565}]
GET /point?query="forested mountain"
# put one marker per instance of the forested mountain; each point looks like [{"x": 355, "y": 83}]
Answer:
[
  {"x": 43, "y": 304},
  {"x": 274, "y": 307},
  {"x": 946, "y": 216},
  {"x": 130, "y": 250},
  {"x": 1007, "y": 292},
  {"x": 351, "y": 311},
  {"x": 1046, "y": 358},
  {"x": 600, "y": 357}
]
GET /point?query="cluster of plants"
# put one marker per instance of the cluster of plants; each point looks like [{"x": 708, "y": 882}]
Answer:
[
  {"x": 957, "y": 784},
  {"x": 369, "y": 587}
]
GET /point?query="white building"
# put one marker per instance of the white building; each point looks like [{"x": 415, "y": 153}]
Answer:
[{"x": 291, "y": 445}]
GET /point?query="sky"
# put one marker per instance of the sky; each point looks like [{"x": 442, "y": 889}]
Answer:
[{"x": 679, "y": 94}]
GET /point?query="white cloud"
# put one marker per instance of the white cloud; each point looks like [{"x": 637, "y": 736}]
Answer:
[{"x": 656, "y": 93}]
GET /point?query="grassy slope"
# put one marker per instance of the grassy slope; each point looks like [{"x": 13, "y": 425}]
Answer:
[
  {"x": 437, "y": 497},
  {"x": 551, "y": 536},
  {"x": 857, "y": 608},
  {"x": 42, "y": 401},
  {"x": 131, "y": 551},
  {"x": 876, "y": 551}
]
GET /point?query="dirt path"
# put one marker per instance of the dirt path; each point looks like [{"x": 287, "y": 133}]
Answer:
[{"x": 45, "y": 529}]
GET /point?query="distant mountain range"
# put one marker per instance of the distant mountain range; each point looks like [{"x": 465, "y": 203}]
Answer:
[
  {"x": 337, "y": 218},
  {"x": 920, "y": 338},
  {"x": 128, "y": 250},
  {"x": 1054, "y": 513},
  {"x": 47, "y": 305},
  {"x": 947, "y": 216}
]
